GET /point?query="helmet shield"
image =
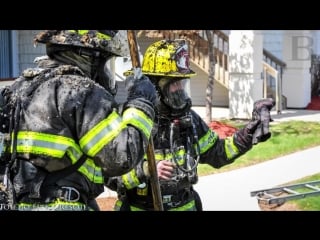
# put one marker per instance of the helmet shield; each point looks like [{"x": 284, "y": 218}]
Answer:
[{"x": 175, "y": 92}]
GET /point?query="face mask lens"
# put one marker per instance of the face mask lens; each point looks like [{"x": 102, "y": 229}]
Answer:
[{"x": 176, "y": 93}]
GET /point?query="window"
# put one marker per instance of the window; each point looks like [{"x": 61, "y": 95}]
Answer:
[{"x": 6, "y": 69}]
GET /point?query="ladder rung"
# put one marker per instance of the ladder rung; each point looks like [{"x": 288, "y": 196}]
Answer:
[
  {"x": 266, "y": 196},
  {"x": 312, "y": 187},
  {"x": 288, "y": 190}
]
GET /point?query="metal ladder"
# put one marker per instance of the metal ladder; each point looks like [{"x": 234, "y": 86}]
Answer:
[{"x": 279, "y": 195}]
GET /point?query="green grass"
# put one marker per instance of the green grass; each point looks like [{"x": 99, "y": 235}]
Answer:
[
  {"x": 309, "y": 202},
  {"x": 286, "y": 138}
]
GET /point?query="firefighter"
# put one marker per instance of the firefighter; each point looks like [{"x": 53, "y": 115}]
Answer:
[
  {"x": 68, "y": 133},
  {"x": 181, "y": 138}
]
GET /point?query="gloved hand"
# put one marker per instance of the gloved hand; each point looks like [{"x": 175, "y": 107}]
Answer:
[
  {"x": 261, "y": 112},
  {"x": 243, "y": 137},
  {"x": 141, "y": 88}
]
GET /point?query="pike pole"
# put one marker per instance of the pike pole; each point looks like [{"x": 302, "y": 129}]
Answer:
[{"x": 154, "y": 180}]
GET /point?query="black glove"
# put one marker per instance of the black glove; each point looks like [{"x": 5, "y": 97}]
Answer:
[
  {"x": 243, "y": 137},
  {"x": 261, "y": 112},
  {"x": 141, "y": 88}
]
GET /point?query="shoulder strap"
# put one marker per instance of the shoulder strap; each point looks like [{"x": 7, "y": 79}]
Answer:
[{"x": 60, "y": 174}]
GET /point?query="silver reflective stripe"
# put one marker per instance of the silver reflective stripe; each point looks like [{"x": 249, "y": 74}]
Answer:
[
  {"x": 57, "y": 146},
  {"x": 130, "y": 180},
  {"x": 103, "y": 133},
  {"x": 47, "y": 144},
  {"x": 138, "y": 119}
]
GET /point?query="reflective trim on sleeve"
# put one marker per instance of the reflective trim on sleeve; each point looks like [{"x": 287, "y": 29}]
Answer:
[
  {"x": 130, "y": 179},
  {"x": 101, "y": 134},
  {"x": 207, "y": 141},
  {"x": 190, "y": 206},
  {"x": 230, "y": 148},
  {"x": 57, "y": 146},
  {"x": 138, "y": 119},
  {"x": 92, "y": 171},
  {"x": 119, "y": 203},
  {"x": 47, "y": 144}
]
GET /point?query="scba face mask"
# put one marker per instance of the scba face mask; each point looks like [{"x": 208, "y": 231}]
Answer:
[{"x": 175, "y": 92}]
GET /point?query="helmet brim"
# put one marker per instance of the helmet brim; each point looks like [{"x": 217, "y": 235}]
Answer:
[{"x": 189, "y": 74}]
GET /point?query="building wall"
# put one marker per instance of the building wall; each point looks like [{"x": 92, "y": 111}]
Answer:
[
  {"x": 272, "y": 41},
  {"x": 297, "y": 78},
  {"x": 316, "y": 42},
  {"x": 27, "y": 51}
]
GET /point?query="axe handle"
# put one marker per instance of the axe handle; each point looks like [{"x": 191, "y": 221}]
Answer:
[{"x": 154, "y": 180}]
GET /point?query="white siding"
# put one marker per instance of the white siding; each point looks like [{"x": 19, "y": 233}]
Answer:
[
  {"x": 272, "y": 42},
  {"x": 27, "y": 51},
  {"x": 316, "y": 42}
]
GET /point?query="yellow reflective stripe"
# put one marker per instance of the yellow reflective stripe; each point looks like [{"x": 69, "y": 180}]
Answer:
[
  {"x": 190, "y": 206},
  {"x": 119, "y": 203},
  {"x": 169, "y": 156},
  {"x": 80, "y": 32},
  {"x": 93, "y": 172},
  {"x": 101, "y": 134},
  {"x": 160, "y": 156},
  {"x": 89, "y": 169},
  {"x": 47, "y": 144},
  {"x": 103, "y": 36},
  {"x": 130, "y": 179},
  {"x": 207, "y": 141},
  {"x": 180, "y": 155},
  {"x": 138, "y": 119},
  {"x": 57, "y": 205},
  {"x": 99, "y": 35},
  {"x": 133, "y": 208},
  {"x": 230, "y": 148},
  {"x": 57, "y": 146}
]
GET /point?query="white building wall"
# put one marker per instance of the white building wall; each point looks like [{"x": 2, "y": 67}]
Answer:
[
  {"x": 316, "y": 41},
  {"x": 272, "y": 42},
  {"x": 297, "y": 49},
  {"x": 245, "y": 67},
  {"x": 15, "y": 53}
]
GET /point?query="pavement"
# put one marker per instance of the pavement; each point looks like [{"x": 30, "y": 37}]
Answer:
[{"x": 230, "y": 191}]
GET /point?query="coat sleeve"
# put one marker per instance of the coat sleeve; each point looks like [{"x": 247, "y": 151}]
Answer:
[
  {"x": 115, "y": 140},
  {"x": 215, "y": 151}
]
